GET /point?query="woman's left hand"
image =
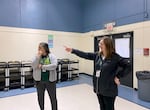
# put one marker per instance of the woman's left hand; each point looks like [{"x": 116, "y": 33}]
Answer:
[{"x": 117, "y": 81}]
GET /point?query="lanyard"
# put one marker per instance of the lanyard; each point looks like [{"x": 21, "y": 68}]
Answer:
[{"x": 100, "y": 62}]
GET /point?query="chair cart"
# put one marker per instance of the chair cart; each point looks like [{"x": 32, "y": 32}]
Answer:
[
  {"x": 14, "y": 74},
  {"x": 3, "y": 74},
  {"x": 26, "y": 75}
]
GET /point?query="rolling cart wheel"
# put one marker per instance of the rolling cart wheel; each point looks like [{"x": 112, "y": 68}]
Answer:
[
  {"x": 22, "y": 87},
  {"x": 6, "y": 89}
]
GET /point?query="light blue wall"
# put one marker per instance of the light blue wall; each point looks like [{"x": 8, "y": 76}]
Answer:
[
  {"x": 99, "y": 12},
  {"x": 10, "y": 13},
  {"x": 59, "y": 15},
  {"x": 70, "y": 15}
]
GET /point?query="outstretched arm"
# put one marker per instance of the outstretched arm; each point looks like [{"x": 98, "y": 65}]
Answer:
[{"x": 86, "y": 55}]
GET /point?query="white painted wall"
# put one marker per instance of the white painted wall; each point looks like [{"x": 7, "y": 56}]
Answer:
[{"x": 21, "y": 44}]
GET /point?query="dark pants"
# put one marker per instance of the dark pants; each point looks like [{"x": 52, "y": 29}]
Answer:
[
  {"x": 51, "y": 88},
  {"x": 106, "y": 103}
]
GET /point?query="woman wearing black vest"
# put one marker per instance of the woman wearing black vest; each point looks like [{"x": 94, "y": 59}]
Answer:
[{"x": 106, "y": 75}]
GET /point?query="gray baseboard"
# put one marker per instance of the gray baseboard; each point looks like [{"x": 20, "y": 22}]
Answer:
[{"x": 86, "y": 74}]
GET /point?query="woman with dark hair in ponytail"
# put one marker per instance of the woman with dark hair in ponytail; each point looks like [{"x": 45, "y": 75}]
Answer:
[{"x": 44, "y": 73}]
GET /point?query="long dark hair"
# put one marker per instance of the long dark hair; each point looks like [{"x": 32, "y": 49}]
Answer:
[
  {"x": 45, "y": 46},
  {"x": 110, "y": 49}
]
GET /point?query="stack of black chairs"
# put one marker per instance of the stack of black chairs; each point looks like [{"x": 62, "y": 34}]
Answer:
[
  {"x": 3, "y": 71},
  {"x": 65, "y": 70},
  {"x": 16, "y": 74},
  {"x": 27, "y": 75}
]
